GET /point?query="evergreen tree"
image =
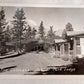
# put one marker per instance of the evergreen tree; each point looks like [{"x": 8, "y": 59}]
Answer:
[
  {"x": 64, "y": 34},
  {"x": 28, "y": 32},
  {"x": 51, "y": 33},
  {"x": 19, "y": 26},
  {"x": 3, "y": 24},
  {"x": 8, "y": 34},
  {"x": 69, "y": 27},
  {"x": 34, "y": 32},
  {"x": 41, "y": 30}
]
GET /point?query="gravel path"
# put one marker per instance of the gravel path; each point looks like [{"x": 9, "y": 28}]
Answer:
[{"x": 31, "y": 62}]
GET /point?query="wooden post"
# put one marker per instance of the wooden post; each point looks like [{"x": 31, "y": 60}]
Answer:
[
  {"x": 37, "y": 48},
  {"x": 60, "y": 49},
  {"x": 68, "y": 49},
  {"x": 55, "y": 48},
  {"x": 34, "y": 48},
  {"x": 74, "y": 50},
  {"x": 63, "y": 48}
]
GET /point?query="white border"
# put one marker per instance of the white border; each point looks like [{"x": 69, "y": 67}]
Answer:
[
  {"x": 44, "y": 77},
  {"x": 55, "y": 5},
  {"x": 56, "y": 77}
]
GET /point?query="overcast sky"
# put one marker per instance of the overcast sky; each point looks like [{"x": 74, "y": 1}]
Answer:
[{"x": 56, "y": 17}]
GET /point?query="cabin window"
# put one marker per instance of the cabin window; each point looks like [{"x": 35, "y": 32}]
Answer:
[
  {"x": 78, "y": 41},
  {"x": 66, "y": 47},
  {"x": 58, "y": 47}
]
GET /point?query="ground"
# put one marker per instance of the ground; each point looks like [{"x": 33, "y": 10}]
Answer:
[{"x": 31, "y": 62}]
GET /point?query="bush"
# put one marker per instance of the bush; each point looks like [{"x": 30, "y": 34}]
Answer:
[
  {"x": 74, "y": 59},
  {"x": 65, "y": 57}
]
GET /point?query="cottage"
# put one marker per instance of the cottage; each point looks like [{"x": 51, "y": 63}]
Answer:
[
  {"x": 76, "y": 41},
  {"x": 73, "y": 45},
  {"x": 61, "y": 47}
]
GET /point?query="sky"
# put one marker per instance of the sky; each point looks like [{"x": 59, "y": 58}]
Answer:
[{"x": 56, "y": 17}]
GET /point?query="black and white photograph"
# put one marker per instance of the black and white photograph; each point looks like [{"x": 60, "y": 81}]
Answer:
[{"x": 41, "y": 41}]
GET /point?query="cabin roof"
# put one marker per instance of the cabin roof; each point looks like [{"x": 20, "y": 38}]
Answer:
[
  {"x": 75, "y": 33},
  {"x": 22, "y": 42},
  {"x": 57, "y": 37},
  {"x": 60, "y": 41}
]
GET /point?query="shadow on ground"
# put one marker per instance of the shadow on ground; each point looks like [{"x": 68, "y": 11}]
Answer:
[{"x": 16, "y": 55}]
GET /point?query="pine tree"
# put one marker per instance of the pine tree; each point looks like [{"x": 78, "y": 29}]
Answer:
[
  {"x": 51, "y": 33},
  {"x": 41, "y": 30},
  {"x": 34, "y": 32},
  {"x": 8, "y": 34},
  {"x": 64, "y": 34},
  {"x": 28, "y": 32},
  {"x": 19, "y": 26},
  {"x": 69, "y": 27},
  {"x": 3, "y": 24}
]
